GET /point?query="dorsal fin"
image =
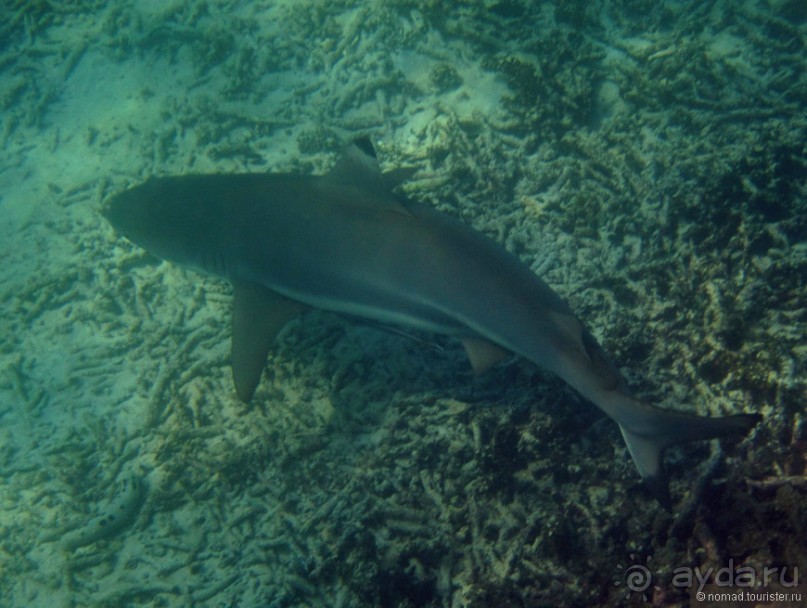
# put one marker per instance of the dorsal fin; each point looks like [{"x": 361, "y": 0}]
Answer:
[
  {"x": 358, "y": 168},
  {"x": 358, "y": 165}
]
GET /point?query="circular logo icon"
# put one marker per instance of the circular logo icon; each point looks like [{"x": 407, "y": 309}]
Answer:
[{"x": 636, "y": 577}]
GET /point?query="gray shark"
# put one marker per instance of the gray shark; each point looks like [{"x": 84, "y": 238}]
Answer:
[{"x": 344, "y": 242}]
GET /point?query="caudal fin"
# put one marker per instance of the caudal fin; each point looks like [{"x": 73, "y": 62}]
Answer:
[{"x": 659, "y": 429}]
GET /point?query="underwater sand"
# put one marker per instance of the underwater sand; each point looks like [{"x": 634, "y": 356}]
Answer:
[{"x": 647, "y": 159}]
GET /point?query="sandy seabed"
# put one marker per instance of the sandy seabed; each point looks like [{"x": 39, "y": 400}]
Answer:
[{"x": 647, "y": 159}]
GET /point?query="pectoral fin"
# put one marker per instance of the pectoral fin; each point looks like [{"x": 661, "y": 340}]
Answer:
[
  {"x": 483, "y": 354},
  {"x": 258, "y": 315}
]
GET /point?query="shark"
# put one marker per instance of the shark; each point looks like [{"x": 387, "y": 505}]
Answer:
[{"x": 345, "y": 242}]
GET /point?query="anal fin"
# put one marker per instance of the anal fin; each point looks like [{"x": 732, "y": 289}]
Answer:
[
  {"x": 483, "y": 354},
  {"x": 258, "y": 316}
]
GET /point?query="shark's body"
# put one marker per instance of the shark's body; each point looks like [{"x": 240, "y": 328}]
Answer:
[{"x": 344, "y": 242}]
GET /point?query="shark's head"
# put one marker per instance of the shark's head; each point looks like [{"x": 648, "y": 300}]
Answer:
[
  {"x": 137, "y": 214},
  {"x": 171, "y": 218}
]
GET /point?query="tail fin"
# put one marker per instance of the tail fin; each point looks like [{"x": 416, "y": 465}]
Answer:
[{"x": 659, "y": 429}]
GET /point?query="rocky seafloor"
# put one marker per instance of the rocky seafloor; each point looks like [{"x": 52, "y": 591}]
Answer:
[{"x": 646, "y": 158}]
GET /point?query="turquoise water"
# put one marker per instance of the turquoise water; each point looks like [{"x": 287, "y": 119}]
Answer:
[{"x": 646, "y": 159}]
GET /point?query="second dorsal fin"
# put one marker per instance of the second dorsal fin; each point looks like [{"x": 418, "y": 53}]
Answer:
[{"x": 483, "y": 354}]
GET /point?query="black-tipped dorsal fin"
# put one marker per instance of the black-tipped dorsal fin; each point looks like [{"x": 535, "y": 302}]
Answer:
[
  {"x": 258, "y": 315},
  {"x": 358, "y": 165},
  {"x": 358, "y": 168}
]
